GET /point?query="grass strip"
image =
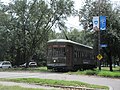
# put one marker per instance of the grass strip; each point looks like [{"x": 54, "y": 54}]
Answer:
[
  {"x": 104, "y": 72},
  {"x": 2, "y": 87},
  {"x": 38, "y": 69},
  {"x": 56, "y": 82},
  {"x": 109, "y": 74}
]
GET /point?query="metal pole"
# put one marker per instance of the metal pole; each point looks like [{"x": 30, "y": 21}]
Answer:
[
  {"x": 99, "y": 38},
  {"x": 99, "y": 49}
]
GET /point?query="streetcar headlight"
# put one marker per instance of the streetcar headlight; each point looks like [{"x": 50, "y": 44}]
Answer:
[{"x": 54, "y": 61}]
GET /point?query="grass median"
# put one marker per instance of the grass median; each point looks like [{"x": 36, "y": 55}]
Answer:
[
  {"x": 38, "y": 69},
  {"x": 2, "y": 87},
  {"x": 51, "y": 82},
  {"x": 104, "y": 72}
]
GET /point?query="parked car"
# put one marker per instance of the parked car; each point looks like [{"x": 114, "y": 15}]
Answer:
[
  {"x": 31, "y": 64},
  {"x": 5, "y": 64}
]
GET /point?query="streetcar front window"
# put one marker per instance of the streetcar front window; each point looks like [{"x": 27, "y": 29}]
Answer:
[
  {"x": 55, "y": 51},
  {"x": 49, "y": 52},
  {"x": 62, "y": 52},
  {"x": 59, "y": 51}
]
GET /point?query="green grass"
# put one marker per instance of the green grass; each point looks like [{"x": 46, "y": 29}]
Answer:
[
  {"x": 104, "y": 72},
  {"x": 38, "y": 69},
  {"x": 56, "y": 82},
  {"x": 109, "y": 74},
  {"x": 15, "y": 88}
]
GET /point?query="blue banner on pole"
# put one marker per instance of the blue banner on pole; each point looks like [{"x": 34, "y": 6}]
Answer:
[{"x": 102, "y": 22}]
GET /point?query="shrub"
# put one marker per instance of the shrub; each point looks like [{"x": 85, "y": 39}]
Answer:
[{"x": 90, "y": 72}]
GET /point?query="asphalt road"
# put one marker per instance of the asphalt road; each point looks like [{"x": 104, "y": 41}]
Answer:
[{"x": 114, "y": 84}]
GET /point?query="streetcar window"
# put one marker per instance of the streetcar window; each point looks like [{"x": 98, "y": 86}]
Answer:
[
  {"x": 55, "y": 51},
  {"x": 75, "y": 53},
  {"x": 59, "y": 51},
  {"x": 80, "y": 54},
  {"x": 62, "y": 52},
  {"x": 49, "y": 51}
]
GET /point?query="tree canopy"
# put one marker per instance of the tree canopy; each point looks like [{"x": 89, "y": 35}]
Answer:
[
  {"x": 111, "y": 35},
  {"x": 25, "y": 26}
]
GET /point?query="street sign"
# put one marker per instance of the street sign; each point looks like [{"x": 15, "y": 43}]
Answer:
[
  {"x": 102, "y": 22},
  {"x": 96, "y": 23},
  {"x": 99, "y": 56},
  {"x": 103, "y": 45}
]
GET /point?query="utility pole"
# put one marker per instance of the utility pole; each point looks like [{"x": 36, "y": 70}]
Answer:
[
  {"x": 99, "y": 25},
  {"x": 99, "y": 36}
]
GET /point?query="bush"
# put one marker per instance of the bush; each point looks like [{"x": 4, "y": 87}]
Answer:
[{"x": 90, "y": 72}]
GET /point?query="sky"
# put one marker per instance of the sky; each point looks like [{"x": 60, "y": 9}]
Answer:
[{"x": 73, "y": 21}]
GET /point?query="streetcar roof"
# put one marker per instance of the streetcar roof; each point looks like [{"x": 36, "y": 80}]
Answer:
[{"x": 68, "y": 41}]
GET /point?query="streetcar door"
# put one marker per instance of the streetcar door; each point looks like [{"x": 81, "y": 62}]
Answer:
[{"x": 69, "y": 56}]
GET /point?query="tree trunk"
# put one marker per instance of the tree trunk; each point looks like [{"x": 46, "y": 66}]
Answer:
[
  {"x": 118, "y": 61},
  {"x": 108, "y": 53},
  {"x": 18, "y": 58},
  {"x": 110, "y": 61}
]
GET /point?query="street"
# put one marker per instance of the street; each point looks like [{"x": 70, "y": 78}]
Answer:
[{"x": 114, "y": 84}]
